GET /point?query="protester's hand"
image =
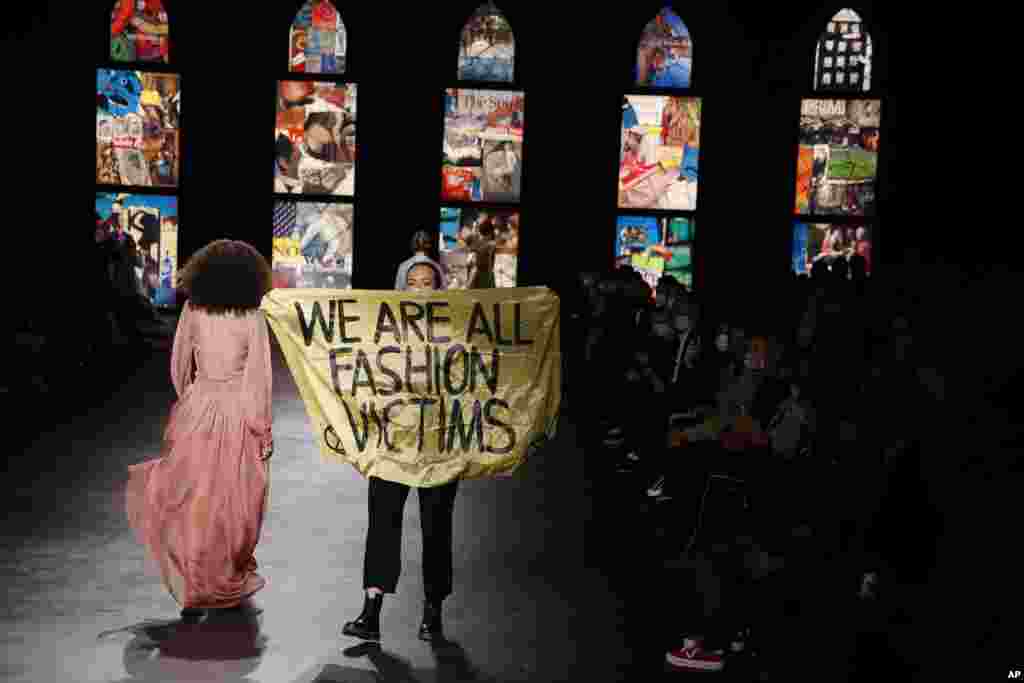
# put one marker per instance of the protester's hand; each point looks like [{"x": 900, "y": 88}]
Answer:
[{"x": 268, "y": 450}]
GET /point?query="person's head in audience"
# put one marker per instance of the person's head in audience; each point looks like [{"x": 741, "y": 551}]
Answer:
[
  {"x": 682, "y": 322},
  {"x": 663, "y": 292},
  {"x": 902, "y": 337},
  {"x": 786, "y": 372},
  {"x": 840, "y": 270},
  {"x": 738, "y": 341},
  {"x": 722, "y": 339},
  {"x": 692, "y": 352},
  {"x": 858, "y": 268},
  {"x": 819, "y": 271}
]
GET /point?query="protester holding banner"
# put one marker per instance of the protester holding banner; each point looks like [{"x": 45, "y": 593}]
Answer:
[
  {"x": 421, "y": 388},
  {"x": 382, "y": 563},
  {"x": 199, "y": 507}
]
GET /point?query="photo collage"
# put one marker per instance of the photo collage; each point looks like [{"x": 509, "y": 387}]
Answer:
[
  {"x": 837, "y": 160},
  {"x": 482, "y": 146},
  {"x": 479, "y": 247},
  {"x": 656, "y": 247},
  {"x": 138, "y": 140},
  {"x": 843, "y": 57},
  {"x": 315, "y": 139},
  {"x": 312, "y": 245},
  {"x": 814, "y": 242},
  {"x": 481, "y": 150},
  {"x": 487, "y": 50},
  {"x": 139, "y": 32},
  {"x": 317, "y": 41},
  {"x": 147, "y": 226},
  {"x": 659, "y": 152},
  {"x": 665, "y": 55}
]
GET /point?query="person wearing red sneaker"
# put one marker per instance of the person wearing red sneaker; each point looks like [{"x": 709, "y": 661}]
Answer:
[{"x": 692, "y": 655}]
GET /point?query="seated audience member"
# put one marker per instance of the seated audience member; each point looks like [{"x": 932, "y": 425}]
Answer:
[
  {"x": 819, "y": 272},
  {"x": 792, "y": 425},
  {"x": 840, "y": 270},
  {"x": 858, "y": 269},
  {"x": 862, "y": 248},
  {"x": 645, "y": 407}
]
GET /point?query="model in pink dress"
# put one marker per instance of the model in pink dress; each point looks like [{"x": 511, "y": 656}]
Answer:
[{"x": 199, "y": 507}]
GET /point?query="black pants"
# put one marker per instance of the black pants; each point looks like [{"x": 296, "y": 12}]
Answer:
[
  {"x": 741, "y": 601},
  {"x": 383, "y": 561}
]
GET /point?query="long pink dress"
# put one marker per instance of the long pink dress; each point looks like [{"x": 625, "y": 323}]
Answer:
[{"x": 199, "y": 507}]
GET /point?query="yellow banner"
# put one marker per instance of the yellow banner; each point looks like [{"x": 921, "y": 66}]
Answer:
[{"x": 422, "y": 388}]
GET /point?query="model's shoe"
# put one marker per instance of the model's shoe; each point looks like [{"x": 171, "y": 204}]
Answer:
[
  {"x": 190, "y": 615},
  {"x": 367, "y": 625},
  {"x": 430, "y": 627}
]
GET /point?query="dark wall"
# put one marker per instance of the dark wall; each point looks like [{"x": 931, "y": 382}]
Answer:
[{"x": 753, "y": 62}]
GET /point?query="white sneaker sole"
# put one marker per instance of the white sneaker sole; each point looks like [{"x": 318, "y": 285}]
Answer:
[
  {"x": 696, "y": 664},
  {"x": 657, "y": 489}
]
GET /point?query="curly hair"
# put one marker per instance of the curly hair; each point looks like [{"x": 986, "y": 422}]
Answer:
[{"x": 226, "y": 276}]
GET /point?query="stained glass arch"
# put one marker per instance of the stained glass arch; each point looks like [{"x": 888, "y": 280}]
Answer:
[
  {"x": 487, "y": 47},
  {"x": 139, "y": 32},
  {"x": 317, "y": 41},
  {"x": 665, "y": 53},
  {"x": 843, "y": 55}
]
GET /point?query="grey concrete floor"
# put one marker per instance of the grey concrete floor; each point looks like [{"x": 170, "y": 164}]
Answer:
[{"x": 81, "y": 605}]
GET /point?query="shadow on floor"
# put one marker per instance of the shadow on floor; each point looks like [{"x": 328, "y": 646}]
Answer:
[
  {"x": 452, "y": 665},
  {"x": 228, "y": 646}
]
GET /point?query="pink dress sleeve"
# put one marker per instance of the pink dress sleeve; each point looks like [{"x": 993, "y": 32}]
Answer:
[
  {"x": 181, "y": 353},
  {"x": 258, "y": 381}
]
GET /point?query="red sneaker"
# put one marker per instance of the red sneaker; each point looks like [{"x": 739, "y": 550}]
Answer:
[{"x": 693, "y": 657}]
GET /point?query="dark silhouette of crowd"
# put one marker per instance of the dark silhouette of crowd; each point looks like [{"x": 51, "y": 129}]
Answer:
[
  {"x": 755, "y": 431},
  {"x": 53, "y": 344}
]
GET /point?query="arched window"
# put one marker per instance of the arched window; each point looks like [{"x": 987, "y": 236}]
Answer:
[
  {"x": 842, "y": 58},
  {"x": 664, "y": 56},
  {"x": 138, "y": 146},
  {"x": 487, "y": 48},
  {"x": 317, "y": 41},
  {"x": 837, "y": 150},
  {"x": 482, "y": 158},
  {"x": 659, "y": 156},
  {"x": 139, "y": 32},
  {"x": 315, "y": 156}
]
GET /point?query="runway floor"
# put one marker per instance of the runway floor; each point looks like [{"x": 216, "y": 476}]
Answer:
[{"x": 79, "y": 604}]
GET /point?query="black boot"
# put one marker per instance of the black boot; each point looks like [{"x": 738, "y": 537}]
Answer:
[
  {"x": 430, "y": 628},
  {"x": 190, "y": 615},
  {"x": 367, "y": 625}
]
